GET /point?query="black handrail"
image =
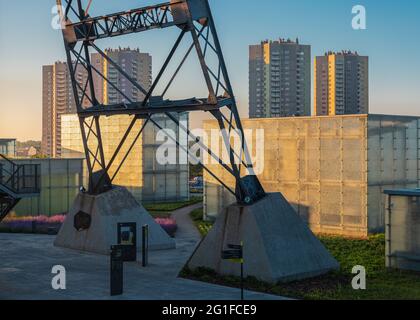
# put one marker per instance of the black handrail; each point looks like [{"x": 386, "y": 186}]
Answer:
[
  {"x": 7, "y": 159},
  {"x": 13, "y": 175},
  {"x": 17, "y": 178}
]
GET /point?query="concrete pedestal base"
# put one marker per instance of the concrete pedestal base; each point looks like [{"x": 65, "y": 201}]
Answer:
[
  {"x": 278, "y": 245},
  {"x": 106, "y": 211}
]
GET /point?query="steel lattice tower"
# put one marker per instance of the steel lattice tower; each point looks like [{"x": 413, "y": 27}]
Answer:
[{"x": 193, "y": 17}]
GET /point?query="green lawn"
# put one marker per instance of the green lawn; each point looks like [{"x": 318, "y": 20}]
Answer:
[
  {"x": 164, "y": 209},
  {"x": 370, "y": 253},
  {"x": 202, "y": 226}
]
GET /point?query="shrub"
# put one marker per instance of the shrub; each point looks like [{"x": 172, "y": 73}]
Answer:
[{"x": 32, "y": 224}]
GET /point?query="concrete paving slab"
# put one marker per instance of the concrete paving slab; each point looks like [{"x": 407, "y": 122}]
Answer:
[{"x": 26, "y": 262}]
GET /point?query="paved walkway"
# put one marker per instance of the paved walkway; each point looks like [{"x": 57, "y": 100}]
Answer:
[
  {"x": 26, "y": 262},
  {"x": 186, "y": 227}
]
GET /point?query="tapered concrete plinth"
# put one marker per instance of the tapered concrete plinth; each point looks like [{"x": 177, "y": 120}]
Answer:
[
  {"x": 278, "y": 245},
  {"x": 106, "y": 211}
]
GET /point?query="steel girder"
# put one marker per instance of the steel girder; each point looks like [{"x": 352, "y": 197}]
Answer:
[{"x": 80, "y": 33}]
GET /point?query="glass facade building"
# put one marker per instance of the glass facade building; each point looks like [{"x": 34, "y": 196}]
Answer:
[
  {"x": 146, "y": 178},
  {"x": 60, "y": 182},
  {"x": 8, "y": 147},
  {"x": 333, "y": 170}
]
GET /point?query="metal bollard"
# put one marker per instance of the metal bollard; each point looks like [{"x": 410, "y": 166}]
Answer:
[
  {"x": 116, "y": 272},
  {"x": 145, "y": 245}
]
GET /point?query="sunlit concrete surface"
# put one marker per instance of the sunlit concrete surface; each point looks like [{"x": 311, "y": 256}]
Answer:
[
  {"x": 26, "y": 262},
  {"x": 277, "y": 244},
  {"x": 106, "y": 210}
]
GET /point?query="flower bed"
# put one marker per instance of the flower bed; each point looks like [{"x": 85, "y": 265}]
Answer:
[
  {"x": 168, "y": 224},
  {"x": 51, "y": 225},
  {"x": 30, "y": 224}
]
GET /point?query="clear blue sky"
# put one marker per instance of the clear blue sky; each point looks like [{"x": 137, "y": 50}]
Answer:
[{"x": 391, "y": 40}]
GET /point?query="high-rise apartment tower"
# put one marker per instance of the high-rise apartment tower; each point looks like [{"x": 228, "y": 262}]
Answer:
[
  {"x": 279, "y": 79},
  {"x": 136, "y": 64},
  {"x": 58, "y": 96},
  {"x": 57, "y": 99},
  {"x": 341, "y": 84}
]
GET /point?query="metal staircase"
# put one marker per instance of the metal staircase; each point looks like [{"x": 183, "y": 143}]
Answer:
[{"x": 17, "y": 181}]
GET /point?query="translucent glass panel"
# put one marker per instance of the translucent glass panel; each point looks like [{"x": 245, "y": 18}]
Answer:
[
  {"x": 61, "y": 180},
  {"x": 141, "y": 173},
  {"x": 403, "y": 233},
  {"x": 335, "y": 168}
]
